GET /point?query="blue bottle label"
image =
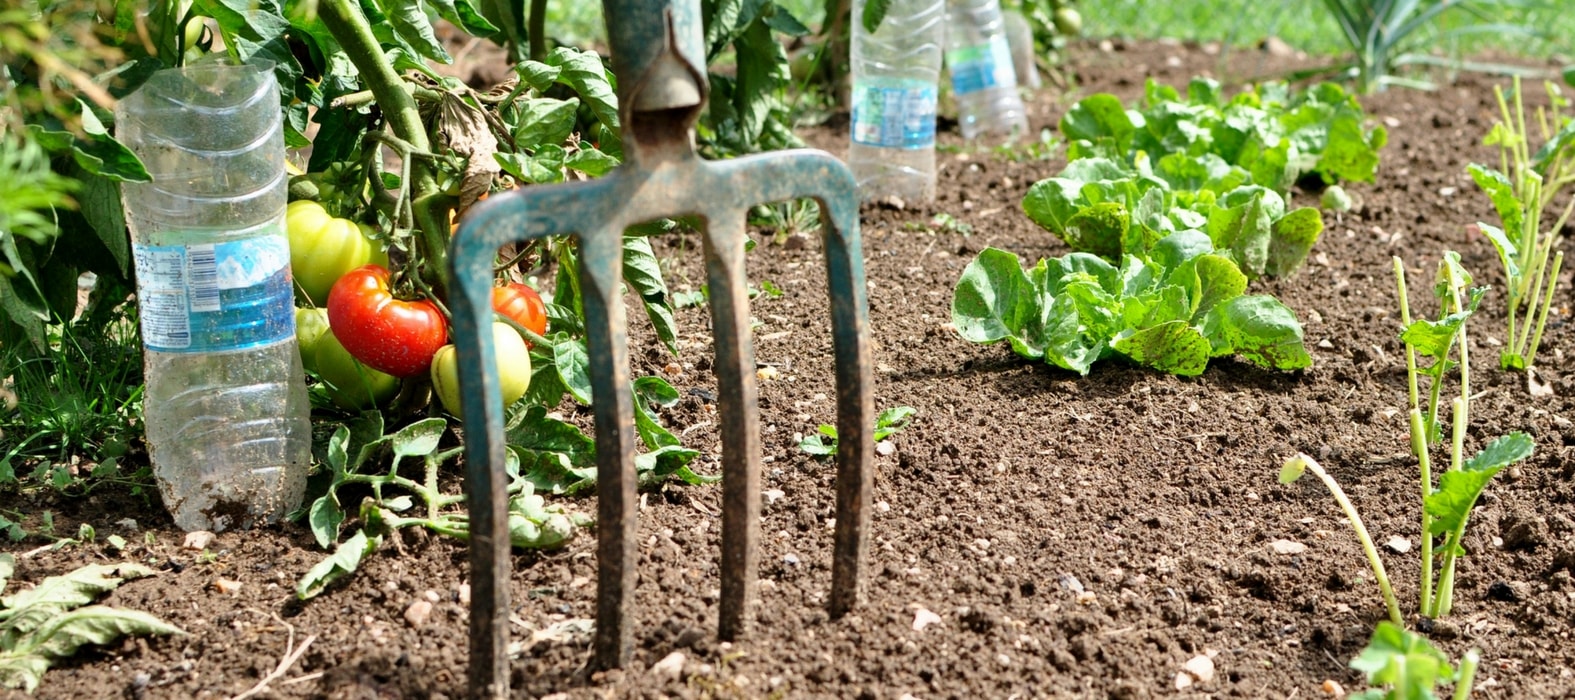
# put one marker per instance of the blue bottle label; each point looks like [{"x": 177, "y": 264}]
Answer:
[
  {"x": 214, "y": 297},
  {"x": 981, "y": 66},
  {"x": 894, "y": 114}
]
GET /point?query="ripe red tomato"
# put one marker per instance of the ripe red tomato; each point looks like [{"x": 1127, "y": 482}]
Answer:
[
  {"x": 522, "y": 304},
  {"x": 387, "y": 334}
]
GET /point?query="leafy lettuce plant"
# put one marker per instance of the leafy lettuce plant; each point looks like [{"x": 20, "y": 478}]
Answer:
[
  {"x": 1523, "y": 186},
  {"x": 1104, "y": 207},
  {"x": 1202, "y": 162},
  {"x": 1273, "y": 133},
  {"x": 1173, "y": 308}
]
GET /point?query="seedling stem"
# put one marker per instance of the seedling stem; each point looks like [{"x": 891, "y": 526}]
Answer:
[{"x": 1292, "y": 470}]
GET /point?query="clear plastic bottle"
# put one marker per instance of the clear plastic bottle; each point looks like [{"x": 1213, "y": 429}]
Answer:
[
  {"x": 895, "y": 73},
  {"x": 225, "y": 404},
  {"x": 979, "y": 59},
  {"x": 1020, "y": 38}
]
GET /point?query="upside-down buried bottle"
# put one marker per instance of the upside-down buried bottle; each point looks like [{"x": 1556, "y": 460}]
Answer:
[
  {"x": 225, "y": 404},
  {"x": 979, "y": 60},
  {"x": 895, "y": 72}
]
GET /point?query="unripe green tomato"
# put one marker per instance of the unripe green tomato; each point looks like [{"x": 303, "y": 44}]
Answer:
[
  {"x": 1068, "y": 21},
  {"x": 352, "y": 385},
  {"x": 513, "y": 369},
  {"x": 323, "y": 249},
  {"x": 310, "y": 326}
]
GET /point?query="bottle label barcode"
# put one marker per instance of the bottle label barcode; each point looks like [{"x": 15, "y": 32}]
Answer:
[
  {"x": 894, "y": 114},
  {"x": 202, "y": 266},
  {"x": 215, "y": 296},
  {"x": 981, "y": 66}
]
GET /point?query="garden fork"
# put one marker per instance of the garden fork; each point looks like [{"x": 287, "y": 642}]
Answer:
[{"x": 659, "y": 57}]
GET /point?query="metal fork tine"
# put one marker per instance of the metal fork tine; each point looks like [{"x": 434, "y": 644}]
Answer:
[
  {"x": 737, "y": 408},
  {"x": 601, "y": 283}
]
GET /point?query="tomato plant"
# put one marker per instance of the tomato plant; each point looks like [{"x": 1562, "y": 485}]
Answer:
[
  {"x": 323, "y": 248},
  {"x": 387, "y": 334},
  {"x": 351, "y": 384},
  {"x": 522, "y": 304},
  {"x": 513, "y": 369}
]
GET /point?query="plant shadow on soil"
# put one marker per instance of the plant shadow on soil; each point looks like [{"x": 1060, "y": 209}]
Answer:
[{"x": 1077, "y": 537}]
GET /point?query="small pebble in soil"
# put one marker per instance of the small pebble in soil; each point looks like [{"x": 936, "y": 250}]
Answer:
[
  {"x": 1398, "y": 544},
  {"x": 1070, "y": 582},
  {"x": 923, "y": 618},
  {"x": 1332, "y": 689},
  {"x": 1287, "y": 547},
  {"x": 226, "y": 586},
  {"x": 418, "y": 612},
  {"x": 463, "y": 593},
  {"x": 790, "y": 559},
  {"x": 197, "y": 540},
  {"x": 1200, "y": 667}
]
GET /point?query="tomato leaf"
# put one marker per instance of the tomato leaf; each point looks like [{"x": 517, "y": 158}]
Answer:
[
  {"x": 347, "y": 557},
  {"x": 410, "y": 22},
  {"x": 418, "y": 439},
  {"x": 643, "y": 273},
  {"x": 572, "y": 362},
  {"x": 324, "y": 518}
]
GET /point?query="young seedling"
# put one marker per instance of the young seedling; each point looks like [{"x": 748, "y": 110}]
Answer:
[
  {"x": 1408, "y": 667},
  {"x": 1446, "y": 507},
  {"x": 1524, "y": 185},
  {"x": 890, "y": 422}
]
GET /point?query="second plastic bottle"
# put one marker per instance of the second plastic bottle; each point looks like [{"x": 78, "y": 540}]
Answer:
[
  {"x": 895, "y": 72},
  {"x": 980, "y": 62}
]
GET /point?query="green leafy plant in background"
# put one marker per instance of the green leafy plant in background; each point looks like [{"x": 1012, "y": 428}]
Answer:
[
  {"x": 1171, "y": 306},
  {"x": 49, "y": 622},
  {"x": 1386, "y": 34},
  {"x": 890, "y": 422},
  {"x": 1447, "y": 505},
  {"x": 1521, "y": 189},
  {"x": 1408, "y": 667},
  {"x": 1203, "y": 163}
]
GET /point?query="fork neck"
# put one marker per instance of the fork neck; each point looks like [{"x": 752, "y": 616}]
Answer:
[{"x": 658, "y": 56}]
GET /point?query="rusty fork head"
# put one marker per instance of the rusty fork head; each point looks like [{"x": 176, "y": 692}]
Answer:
[{"x": 658, "y": 53}]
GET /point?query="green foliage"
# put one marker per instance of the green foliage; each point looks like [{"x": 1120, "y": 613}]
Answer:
[
  {"x": 890, "y": 422},
  {"x": 48, "y": 623},
  {"x": 748, "y": 109},
  {"x": 1171, "y": 307},
  {"x": 1385, "y": 34},
  {"x": 1408, "y": 667},
  {"x": 1520, "y": 191},
  {"x": 80, "y": 397},
  {"x": 1203, "y": 164}
]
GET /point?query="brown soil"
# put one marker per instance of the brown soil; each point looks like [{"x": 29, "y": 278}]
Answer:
[{"x": 1017, "y": 487}]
